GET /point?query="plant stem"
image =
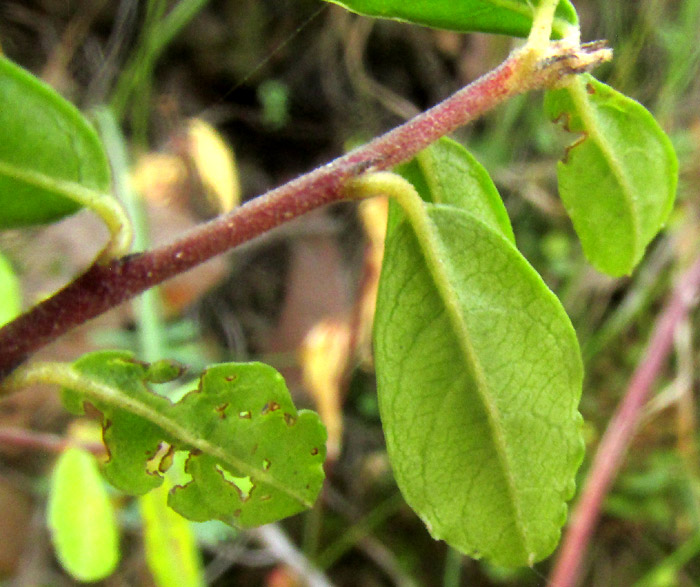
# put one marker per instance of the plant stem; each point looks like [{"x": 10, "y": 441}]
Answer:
[
  {"x": 147, "y": 306},
  {"x": 621, "y": 429},
  {"x": 24, "y": 439},
  {"x": 102, "y": 287}
]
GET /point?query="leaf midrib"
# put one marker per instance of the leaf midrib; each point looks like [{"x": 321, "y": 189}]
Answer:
[
  {"x": 68, "y": 376},
  {"x": 591, "y": 125},
  {"x": 432, "y": 252}
]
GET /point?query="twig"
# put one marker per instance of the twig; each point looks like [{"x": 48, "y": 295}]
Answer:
[
  {"x": 53, "y": 443},
  {"x": 621, "y": 429},
  {"x": 278, "y": 543},
  {"x": 102, "y": 287}
]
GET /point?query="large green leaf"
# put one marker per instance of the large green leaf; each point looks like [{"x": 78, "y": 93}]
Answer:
[
  {"x": 508, "y": 17},
  {"x": 446, "y": 173},
  {"x": 81, "y": 517},
  {"x": 479, "y": 376},
  {"x": 618, "y": 181},
  {"x": 48, "y": 152},
  {"x": 253, "y": 458}
]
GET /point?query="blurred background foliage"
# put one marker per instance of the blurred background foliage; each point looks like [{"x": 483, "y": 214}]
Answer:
[{"x": 221, "y": 100}]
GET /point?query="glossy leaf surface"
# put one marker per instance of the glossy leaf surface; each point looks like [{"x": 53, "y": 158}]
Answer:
[
  {"x": 46, "y": 148},
  {"x": 81, "y": 517},
  {"x": 618, "y": 180},
  {"x": 507, "y": 17},
  {"x": 253, "y": 458},
  {"x": 479, "y": 377}
]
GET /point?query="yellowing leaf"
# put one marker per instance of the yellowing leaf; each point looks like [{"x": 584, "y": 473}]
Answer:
[
  {"x": 158, "y": 177},
  {"x": 215, "y": 164},
  {"x": 171, "y": 549},
  {"x": 10, "y": 292},
  {"x": 324, "y": 358},
  {"x": 81, "y": 518},
  {"x": 373, "y": 213}
]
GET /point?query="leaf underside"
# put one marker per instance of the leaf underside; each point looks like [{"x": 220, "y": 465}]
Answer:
[
  {"x": 507, "y": 17},
  {"x": 478, "y": 387},
  {"x": 618, "y": 180},
  {"x": 43, "y": 139},
  {"x": 253, "y": 458}
]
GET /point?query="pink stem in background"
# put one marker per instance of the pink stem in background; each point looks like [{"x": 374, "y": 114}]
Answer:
[
  {"x": 621, "y": 430},
  {"x": 102, "y": 287},
  {"x": 20, "y": 438}
]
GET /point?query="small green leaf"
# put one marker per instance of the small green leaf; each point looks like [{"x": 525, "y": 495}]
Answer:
[
  {"x": 81, "y": 518},
  {"x": 507, "y": 17},
  {"x": 446, "y": 173},
  {"x": 479, "y": 376},
  {"x": 171, "y": 548},
  {"x": 47, "y": 151},
  {"x": 253, "y": 458},
  {"x": 618, "y": 181},
  {"x": 10, "y": 293}
]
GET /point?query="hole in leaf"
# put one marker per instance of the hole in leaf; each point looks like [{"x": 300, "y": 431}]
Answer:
[
  {"x": 161, "y": 460},
  {"x": 244, "y": 486},
  {"x": 245, "y": 415},
  {"x": 231, "y": 378},
  {"x": 270, "y": 407},
  {"x": 266, "y": 465}
]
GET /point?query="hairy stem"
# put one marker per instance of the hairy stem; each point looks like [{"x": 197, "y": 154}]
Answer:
[
  {"x": 621, "y": 429},
  {"x": 104, "y": 286}
]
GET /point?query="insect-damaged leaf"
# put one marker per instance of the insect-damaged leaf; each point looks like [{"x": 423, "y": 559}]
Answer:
[
  {"x": 507, "y": 17},
  {"x": 479, "y": 376},
  {"x": 618, "y": 181},
  {"x": 253, "y": 458},
  {"x": 47, "y": 152}
]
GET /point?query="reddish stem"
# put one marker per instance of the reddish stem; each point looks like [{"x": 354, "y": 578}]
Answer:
[
  {"x": 28, "y": 439},
  {"x": 102, "y": 287},
  {"x": 621, "y": 429}
]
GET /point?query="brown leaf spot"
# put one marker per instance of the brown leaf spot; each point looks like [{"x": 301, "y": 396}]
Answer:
[
  {"x": 221, "y": 409},
  {"x": 270, "y": 407}
]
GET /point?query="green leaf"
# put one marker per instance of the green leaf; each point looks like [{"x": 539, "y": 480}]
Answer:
[
  {"x": 253, "y": 458},
  {"x": 507, "y": 17},
  {"x": 479, "y": 376},
  {"x": 171, "y": 548},
  {"x": 48, "y": 152},
  {"x": 10, "y": 292},
  {"x": 81, "y": 518},
  {"x": 446, "y": 173},
  {"x": 618, "y": 181}
]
